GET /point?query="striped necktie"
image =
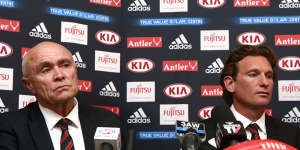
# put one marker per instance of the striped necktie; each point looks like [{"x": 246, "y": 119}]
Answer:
[
  {"x": 66, "y": 142},
  {"x": 253, "y": 128}
]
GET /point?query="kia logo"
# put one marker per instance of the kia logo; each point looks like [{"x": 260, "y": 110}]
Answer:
[
  {"x": 251, "y": 38},
  {"x": 140, "y": 65},
  {"x": 211, "y": 3},
  {"x": 108, "y": 37},
  {"x": 178, "y": 90},
  {"x": 205, "y": 112},
  {"x": 5, "y": 50},
  {"x": 289, "y": 63}
]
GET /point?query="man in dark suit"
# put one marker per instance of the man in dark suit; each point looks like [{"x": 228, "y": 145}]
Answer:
[
  {"x": 248, "y": 79},
  {"x": 56, "y": 121}
]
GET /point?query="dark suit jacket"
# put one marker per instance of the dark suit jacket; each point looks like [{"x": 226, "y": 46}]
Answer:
[
  {"x": 275, "y": 128},
  {"x": 26, "y": 129}
]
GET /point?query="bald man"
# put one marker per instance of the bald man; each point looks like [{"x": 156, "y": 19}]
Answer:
[{"x": 51, "y": 75}]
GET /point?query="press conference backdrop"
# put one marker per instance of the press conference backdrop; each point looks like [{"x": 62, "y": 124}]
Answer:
[{"x": 152, "y": 61}]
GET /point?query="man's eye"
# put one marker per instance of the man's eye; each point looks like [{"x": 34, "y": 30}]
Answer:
[
  {"x": 45, "y": 70},
  {"x": 252, "y": 74},
  {"x": 66, "y": 64}
]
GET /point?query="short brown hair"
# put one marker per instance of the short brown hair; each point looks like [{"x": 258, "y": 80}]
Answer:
[{"x": 236, "y": 55}]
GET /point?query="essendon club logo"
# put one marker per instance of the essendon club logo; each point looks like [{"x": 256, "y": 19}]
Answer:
[
  {"x": 289, "y": 63},
  {"x": 144, "y": 42},
  {"x": 140, "y": 65},
  {"x": 5, "y": 50},
  {"x": 211, "y": 3},
  {"x": 251, "y": 38},
  {"x": 84, "y": 86},
  {"x": 178, "y": 90},
  {"x": 115, "y": 110},
  {"x": 10, "y": 25},
  {"x": 24, "y": 51},
  {"x": 251, "y": 3},
  {"x": 179, "y": 65},
  {"x": 112, "y": 3},
  {"x": 205, "y": 112},
  {"x": 211, "y": 90},
  {"x": 287, "y": 40},
  {"x": 108, "y": 37}
]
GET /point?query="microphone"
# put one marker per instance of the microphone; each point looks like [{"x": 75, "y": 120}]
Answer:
[
  {"x": 229, "y": 133},
  {"x": 131, "y": 140},
  {"x": 190, "y": 134},
  {"x": 107, "y": 138}
]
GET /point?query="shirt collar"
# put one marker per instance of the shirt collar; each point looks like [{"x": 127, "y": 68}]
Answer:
[
  {"x": 245, "y": 121},
  {"x": 52, "y": 117}
]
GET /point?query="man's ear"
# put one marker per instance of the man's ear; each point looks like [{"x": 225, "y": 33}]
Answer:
[
  {"x": 27, "y": 83},
  {"x": 229, "y": 83}
]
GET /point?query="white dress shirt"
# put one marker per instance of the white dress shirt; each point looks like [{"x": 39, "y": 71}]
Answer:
[{"x": 75, "y": 131}]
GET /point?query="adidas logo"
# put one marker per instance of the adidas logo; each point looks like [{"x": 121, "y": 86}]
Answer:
[
  {"x": 180, "y": 43},
  {"x": 292, "y": 117},
  {"x": 3, "y": 109},
  {"x": 78, "y": 61},
  {"x": 40, "y": 31},
  {"x": 215, "y": 67},
  {"x": 109, "y": 90},
  {"x": 139, "y": 117},
  {"x": 289, "y": 4},
  {"x": 139, "y": 5}
]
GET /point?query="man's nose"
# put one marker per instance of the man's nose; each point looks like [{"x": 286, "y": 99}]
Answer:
[
  {"x": 264, "y": 81},
  {"x": 58, "y": 73}
]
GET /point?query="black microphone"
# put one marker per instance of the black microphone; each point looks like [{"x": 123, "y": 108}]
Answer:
[
  {"x": 190, "y": 134},
  {"x": 229, "y": 133},
  {"x": 131, "y": 139}
]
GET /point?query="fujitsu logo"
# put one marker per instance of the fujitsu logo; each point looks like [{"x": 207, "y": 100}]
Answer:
[
  {"x": 214, "y": 38},
  {"x": 211, "y": 90},
  {"x": 291, "y": 88},
  {"x": 10, "y": 25},
  {"x": 74, "y": 30},
  {"x": 140, "y": 65},
  {"x": 144, "y": 42},
  {"x": 5, "y": 50},
  {"x": 4, "y": 76},
  {"x": 140, "y": 89},
  {"x": 107, "y": 60},
  {"x": 108, "y": 37},
  {"x": 211, "y": 3},
  {"x": 85, "y": 86},
  {"x": 287, "y": 40},
  {"x": 180, "y": 65},
  {"x": 251, "y": 3},
  {"x": 178, "y": 90},
  {"x": 289, "y": 63},
  {"x": 173, "y": 1},
  {"x": 173, "y": 112},
  {"x": 251, "y": 38}
]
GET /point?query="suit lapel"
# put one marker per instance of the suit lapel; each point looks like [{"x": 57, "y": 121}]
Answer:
[
  {"x": 272, "y": 131},
  {"x": 38, "y": 128},
  {"x": 88, "y": 128}
]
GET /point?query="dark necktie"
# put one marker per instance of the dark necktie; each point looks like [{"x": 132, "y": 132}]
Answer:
[
  {"x": 253, "y": 128},
  {"x": 66, "y": 142}
]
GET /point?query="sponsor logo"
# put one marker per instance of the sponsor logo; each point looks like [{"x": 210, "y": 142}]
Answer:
[
  {"x": 78, "y": 61},
  {"x": 5, "y": 50},
  {"x": 289, "y": 4},
  {"x": 112, "y": 3},
  {"x": 251, "y": 3},
  {"x": 40, "y": 31},
  {"x": 108, "y": 37},
  {"x": 173, "y": 5},
  {"x": 171, "y": 21},
  {"x": 6, "y": 78},
  {"x": 139, "y": 5},
  {"x": 289, "y": 63},
  {"x": 289, "y": 90},
  {"x": 287, "y": 40},
  {"x": 84, "y": 86},
  {"x": 24, "y": 100},
  {"x": 10, "y": 25},
  {"x": 109, "y": 90},
  {"x": 140, "y": 65},
  {"x": 293, "y": 116},
  {"x": 150, "y": 135},
  {"x": 74, "y": 33},
  {"x": 180, "y": 43},
  {"x": 171, "y": 112},
  {"x": 144, "y": 42},
  {"x": 214, "y": 40},
  {"x": 268, "y": 112},
  {"x": 141, "y": 91},
  {"x": 107, "y": 61},
  {"x": 179, "y": 65},
  {"x": 215, "y": 67},
  {"x": 138, "y": 117},
  {"x": 178, "y": 90},
  {"x": 3, "y": 109},
  {"x": 211, "y": 90},
  {"x": 211, "y": 3},
  {"x": 24, "y": 51},
  {"x": 205, "y": 112},
  {"x": 251, "y": 38},
  {"x": 115, "y": 110}
]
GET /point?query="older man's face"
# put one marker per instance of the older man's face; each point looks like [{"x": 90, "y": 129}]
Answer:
[{"x": 52, "y": 75}]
